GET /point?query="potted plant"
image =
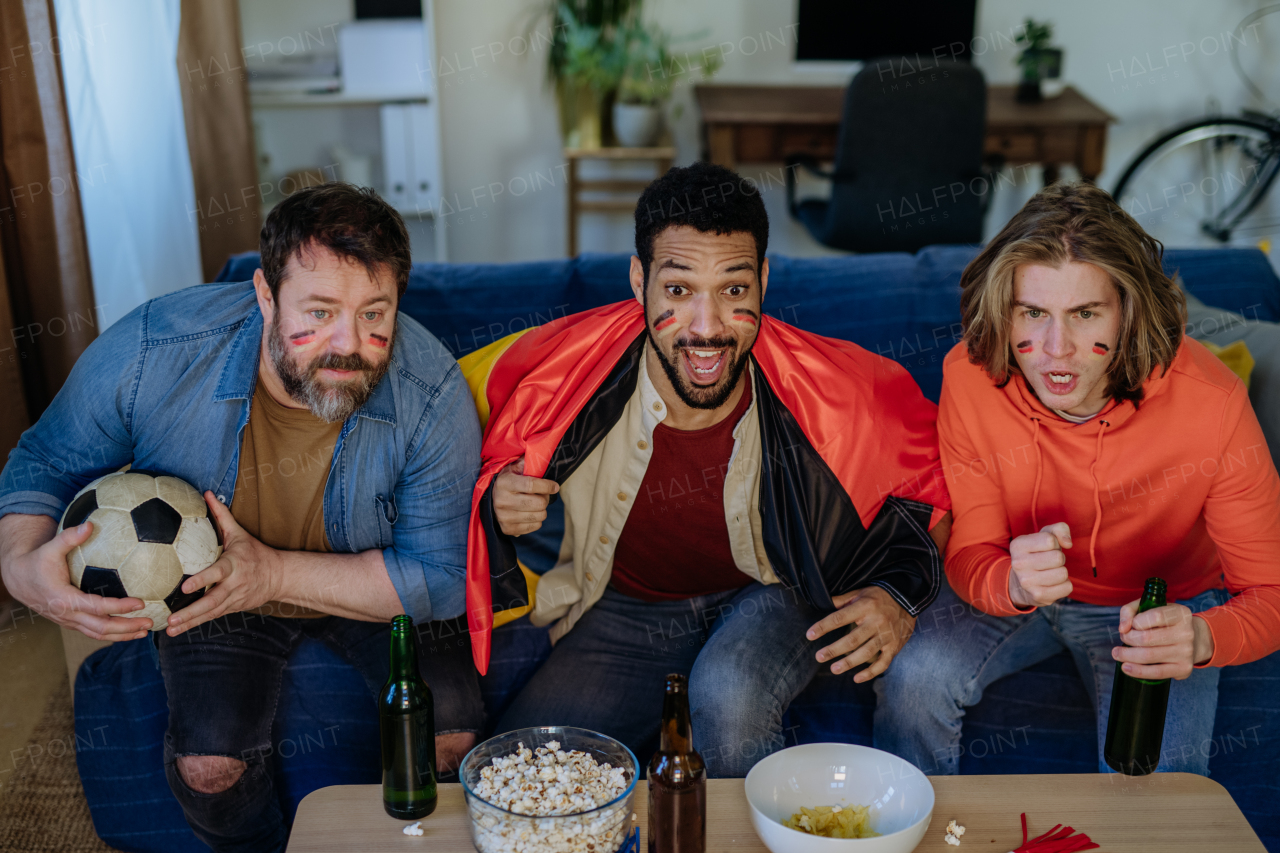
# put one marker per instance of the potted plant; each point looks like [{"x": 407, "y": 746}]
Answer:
[
  {"x": 585, "y": 63},
  {"x": 1037, "y": 60},
  {"x": 650, "y": 72},
  {"x": 610, "y": 70}
]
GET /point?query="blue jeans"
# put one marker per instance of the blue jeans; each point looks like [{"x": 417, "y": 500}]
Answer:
[
  {"x": 957, "y": 651},
  {"x": 744, "y": 651},
  {"x": 223, "y": 679}
]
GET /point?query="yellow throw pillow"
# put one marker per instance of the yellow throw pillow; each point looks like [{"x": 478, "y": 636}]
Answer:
[{"x": 1235, "y": 356}]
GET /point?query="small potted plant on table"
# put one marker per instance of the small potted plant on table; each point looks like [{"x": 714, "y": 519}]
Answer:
[{"x": 1037, "y": 60}]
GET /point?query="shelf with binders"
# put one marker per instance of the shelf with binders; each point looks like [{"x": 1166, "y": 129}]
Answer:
[
  {"x": 392, "y": 146},
  {"x": 360, "y": 106}
]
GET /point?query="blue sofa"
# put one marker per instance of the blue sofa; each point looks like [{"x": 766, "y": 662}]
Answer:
[{"x": 902, "y": 306}]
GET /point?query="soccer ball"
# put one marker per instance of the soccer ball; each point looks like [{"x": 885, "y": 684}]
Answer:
[{"x": 150, "y": 532}]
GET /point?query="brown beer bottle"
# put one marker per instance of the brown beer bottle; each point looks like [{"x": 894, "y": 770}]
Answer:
[{"x": 677, "y": 780}]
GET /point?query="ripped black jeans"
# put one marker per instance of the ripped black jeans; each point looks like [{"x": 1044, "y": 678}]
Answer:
[{"x": 223, "y": 679}]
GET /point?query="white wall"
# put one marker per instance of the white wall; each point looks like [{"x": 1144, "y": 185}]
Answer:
[{"x": 504, "y": 173}]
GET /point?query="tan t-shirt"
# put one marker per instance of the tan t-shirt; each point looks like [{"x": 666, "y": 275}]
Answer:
[{"x": 285, "y": 456}]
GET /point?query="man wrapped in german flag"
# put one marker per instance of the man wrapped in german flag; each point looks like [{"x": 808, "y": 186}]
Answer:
[{"x": 734, "y": 489}]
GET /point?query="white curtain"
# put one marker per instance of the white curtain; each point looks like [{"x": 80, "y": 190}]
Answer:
[{"x": 133, "y": 167}]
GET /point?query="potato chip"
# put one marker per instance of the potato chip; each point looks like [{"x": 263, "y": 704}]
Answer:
[{"x": 833, "y": 821}]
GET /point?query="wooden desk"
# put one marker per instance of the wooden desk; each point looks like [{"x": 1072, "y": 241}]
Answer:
[
  {"x": 763, "y": 124},
  {"x": 661, "y": 156},
  {"x": 1169, "y": 812}
]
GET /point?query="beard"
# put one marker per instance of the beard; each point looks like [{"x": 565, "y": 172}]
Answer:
[
  {"x": 329, "y": 401},
  {"x": 702, "y": 396}
]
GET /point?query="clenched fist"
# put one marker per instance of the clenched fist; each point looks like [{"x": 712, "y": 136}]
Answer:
[
  {"x": 520, "y": 502},
  {"x": 1038, "y": 575}
]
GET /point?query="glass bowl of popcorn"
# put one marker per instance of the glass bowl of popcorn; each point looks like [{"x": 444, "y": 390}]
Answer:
[{"x": 551, "y": 789}]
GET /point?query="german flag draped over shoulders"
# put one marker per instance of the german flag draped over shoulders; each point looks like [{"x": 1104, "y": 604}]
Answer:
[{"x": 850, "y": 476}]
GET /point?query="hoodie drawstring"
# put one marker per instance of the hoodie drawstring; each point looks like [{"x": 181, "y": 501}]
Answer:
[
  {"x": 1035, "y": 490},
  {"x": 1097, "y": 497}
]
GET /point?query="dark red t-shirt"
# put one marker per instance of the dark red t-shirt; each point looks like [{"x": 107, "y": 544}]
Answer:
[{"x": 675, "y": 543}]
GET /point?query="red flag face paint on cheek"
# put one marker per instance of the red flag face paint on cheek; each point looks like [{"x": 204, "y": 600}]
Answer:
[
  {"x": 378, "y": 341},
  {"x": 1025, "y": 347},
  {"x": 302, "y": 338},
  {"x": 664, "y": 320},
  {"x": 746, "y": 317}
]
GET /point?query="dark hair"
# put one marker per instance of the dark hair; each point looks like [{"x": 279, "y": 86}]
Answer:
[
  {"x": 353, "y": 222},
  {"x": 1076, "y": 222},
  {"x": 704, "y": 196}
]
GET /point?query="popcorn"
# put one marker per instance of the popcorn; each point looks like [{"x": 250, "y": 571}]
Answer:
[
  {"x": 546, "y": 782},
  {"x": 414, "y": 829},
  {"x": 954, "y": 831}
]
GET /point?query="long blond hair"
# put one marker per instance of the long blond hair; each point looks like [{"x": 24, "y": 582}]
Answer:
[{"x": 1076, "y": 222}]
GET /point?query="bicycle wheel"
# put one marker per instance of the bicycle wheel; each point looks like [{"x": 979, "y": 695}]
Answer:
[{"x": 1203, "y": 183}]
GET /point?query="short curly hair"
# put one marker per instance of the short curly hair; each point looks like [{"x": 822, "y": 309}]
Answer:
[{"x": 704, "y": 196}]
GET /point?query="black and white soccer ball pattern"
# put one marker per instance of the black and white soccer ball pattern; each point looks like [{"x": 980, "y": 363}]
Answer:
[{"x": 150, "y": 532}]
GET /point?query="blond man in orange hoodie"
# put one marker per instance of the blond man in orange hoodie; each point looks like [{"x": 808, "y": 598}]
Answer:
[{"x": 1088, "y": 445}]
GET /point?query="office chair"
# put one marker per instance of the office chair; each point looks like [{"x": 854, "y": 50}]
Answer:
[{"x": 908, "y": 168}]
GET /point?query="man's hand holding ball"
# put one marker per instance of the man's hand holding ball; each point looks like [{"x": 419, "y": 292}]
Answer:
[{"x": 1038, "y": 573}]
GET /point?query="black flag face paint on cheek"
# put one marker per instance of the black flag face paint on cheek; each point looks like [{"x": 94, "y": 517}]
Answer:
[
  {"x": 1024, "y": 346},
  {"x": 664, "y": 320}
]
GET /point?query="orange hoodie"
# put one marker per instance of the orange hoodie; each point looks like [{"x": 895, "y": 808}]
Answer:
[{"x": 1181, "y": 487}]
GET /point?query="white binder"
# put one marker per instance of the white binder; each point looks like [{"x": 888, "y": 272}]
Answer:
[
  {"x": 424, "y": 157},
  {"x": 396, "y": 174}
]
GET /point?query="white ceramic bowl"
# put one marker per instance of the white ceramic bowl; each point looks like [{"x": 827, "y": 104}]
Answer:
[{"x": 838, "y": 774}]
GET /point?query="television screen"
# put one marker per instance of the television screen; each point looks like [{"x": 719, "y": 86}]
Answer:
[
  {"x": 847, "y": 30},
  {"x": 366, "y": 9}
]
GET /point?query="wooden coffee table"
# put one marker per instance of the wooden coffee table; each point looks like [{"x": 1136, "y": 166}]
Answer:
[{"x": 1168, "y": 812}]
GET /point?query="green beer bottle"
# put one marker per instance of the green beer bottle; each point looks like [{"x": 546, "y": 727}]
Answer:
[
  {"x": 1135, "y": 725},
  {"x": 406, "y": 714}
]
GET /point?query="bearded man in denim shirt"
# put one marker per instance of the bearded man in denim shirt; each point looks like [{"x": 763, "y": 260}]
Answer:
[{"x": 336, "y": 445}]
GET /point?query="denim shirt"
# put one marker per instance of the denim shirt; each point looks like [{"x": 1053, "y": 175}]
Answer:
[{"x": 168, "y": 388}]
